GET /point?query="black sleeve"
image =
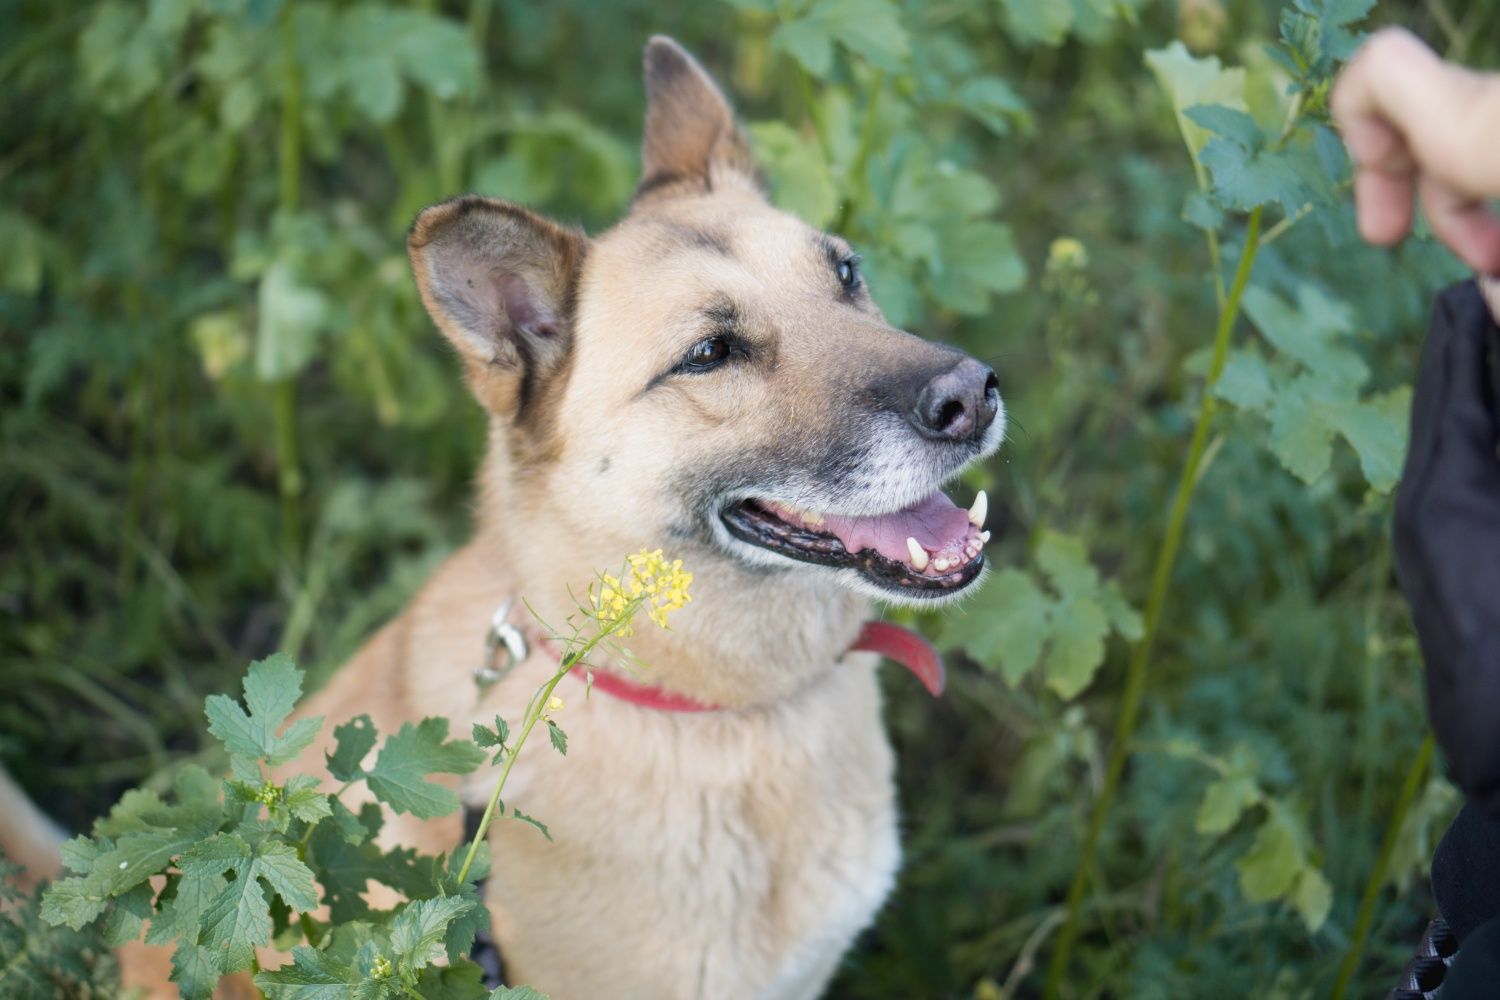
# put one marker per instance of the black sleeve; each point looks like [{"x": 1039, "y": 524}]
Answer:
[{"x": 1447, "y": 537}]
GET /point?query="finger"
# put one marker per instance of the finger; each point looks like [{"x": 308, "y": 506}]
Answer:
[
  {"x": 1466, "y": 225},
  {"x": 1448, "y": 117},
  {"x": 1490, "y": 289},
  {"x": 1383, "y": 205}
]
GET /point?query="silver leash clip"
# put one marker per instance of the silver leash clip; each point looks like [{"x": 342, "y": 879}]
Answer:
[{"x": 504, "y": 648}]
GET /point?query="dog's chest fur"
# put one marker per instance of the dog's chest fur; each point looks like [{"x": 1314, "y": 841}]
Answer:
[{"x": 721, "y": 854}]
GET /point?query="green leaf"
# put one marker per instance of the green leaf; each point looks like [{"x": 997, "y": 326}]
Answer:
[
  {"x": 1077, "y": 648},
  {"x": 558, "y": 737},
  {"x": 292, "y": 315},
  {"x": 374, "y": 88},
  {"x": 458, "y": 941},
  {"x": 239, "y": 918},
  {"x": 1189, "y": 81},
  {"x": 1299, "y": 438},
  {"x": 1271, "y": 865},
  {"x": 437, "y": 54},
  {"x": 1245, "y": 381},
  {"x": 807, "y": 41},
  {"x": 21, "y": 265},
  {"x": 353, "y": 741},
  {"x": 301, "y": 800},
  {"x": 1005, "y": 628},
  {"x": 195, "y": 970},
  {"x": 313, "y": 975},
  {"x": 1312, "y": 898},
  {"x": 399, "y": 776},
  {"x": 1244, "y": 178},
  {"x": 532, "y": 820},
  {"x": 1231, "y": 123},
  {"x": 418, "y": 931},
  {"x": 868, "y": 28},
  {"x": 496, "y": 737},
  {"x": 1123, "y": 618},
  {"x": 1310, "y": 332},
  {"x": 994, "y": 103},
  {"x": 799, "y": 176},
  {"x": 1377, "y": 429},
  {"x": 516, "y": 993},
  {"x": 272, "y": 688},
  {"x": 980, "y": 259},
  {"x": 183, "y": 907},
  {"x": 73, "y": 902},
  {"x": 1044, "y": 22},
  {"x": 1225, "y": 801},
  {"x": 1065, "y": 560},
  {"x": 127, "y": 915},
  {"x": 345, "y": 870},
  {"x": 1199, "y": 210}
]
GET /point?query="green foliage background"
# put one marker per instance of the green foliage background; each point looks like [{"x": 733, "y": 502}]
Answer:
[{"x": 228, "y": 427}]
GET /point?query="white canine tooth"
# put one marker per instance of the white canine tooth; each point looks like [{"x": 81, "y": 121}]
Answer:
[
  {"x": 812, "y": 517},
  {"x": 980, "y": 510},
  {"x": 984, "y": 538},
  {"x": 917, "y": 553}
]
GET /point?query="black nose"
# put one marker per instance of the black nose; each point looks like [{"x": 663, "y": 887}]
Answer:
[{"x": 958, "y": 405}]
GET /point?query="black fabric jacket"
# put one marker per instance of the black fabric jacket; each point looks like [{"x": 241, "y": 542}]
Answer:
[{"x": 1447, "y": 537}]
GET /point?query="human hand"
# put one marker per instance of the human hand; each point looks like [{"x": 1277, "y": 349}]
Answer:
[{"x": 1415, "y": 125}]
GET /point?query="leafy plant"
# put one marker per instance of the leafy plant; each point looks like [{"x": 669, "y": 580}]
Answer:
[
  {"x": 246, "y": 863},
  {"x": 39, "y": 961}
]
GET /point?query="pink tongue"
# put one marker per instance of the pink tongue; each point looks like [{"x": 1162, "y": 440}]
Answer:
[{"x": 936, "y": 523}]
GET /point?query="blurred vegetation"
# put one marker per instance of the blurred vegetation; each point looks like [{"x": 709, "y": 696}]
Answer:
[{"x": 228, "y": 427}]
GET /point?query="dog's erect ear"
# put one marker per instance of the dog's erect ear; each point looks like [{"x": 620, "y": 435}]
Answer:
[
  {"x": 692, "y": 139},
  {"x": 499, "y": 281}
]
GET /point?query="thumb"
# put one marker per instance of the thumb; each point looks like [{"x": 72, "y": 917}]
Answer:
[{"x": 1490, "y": 289}]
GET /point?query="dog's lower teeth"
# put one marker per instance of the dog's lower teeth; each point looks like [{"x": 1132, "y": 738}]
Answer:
[{"x": 917, "y": 553}]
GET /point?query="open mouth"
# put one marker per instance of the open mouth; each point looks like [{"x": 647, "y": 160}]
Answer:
[{"x": 931, "y": 549}]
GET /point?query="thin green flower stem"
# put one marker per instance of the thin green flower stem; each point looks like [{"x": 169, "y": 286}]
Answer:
[
  {"x": 858, "y": 182},
  {"x": 1366, "y": 916},
  {"x": 533, "y": 715},
  {"x": 1161, "y": 578},
  {"x": 283, "y": 391}
]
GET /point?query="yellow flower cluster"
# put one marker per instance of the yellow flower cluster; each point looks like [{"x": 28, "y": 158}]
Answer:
[
  {"x": 665, "y": 584},
  {"x": 650, "y": 581}
]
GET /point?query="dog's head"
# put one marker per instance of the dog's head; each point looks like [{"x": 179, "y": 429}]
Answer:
[{"x": 711, "y": 373}]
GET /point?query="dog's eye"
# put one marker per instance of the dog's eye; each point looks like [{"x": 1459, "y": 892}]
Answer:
[
  {"x": 706, "y": 354},
  {"x": 849, "y": 273}
]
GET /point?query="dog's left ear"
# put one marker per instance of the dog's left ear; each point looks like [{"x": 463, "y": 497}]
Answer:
[
  {"x": 692, "y": 139},
  {"x": 500, "y": 283}
]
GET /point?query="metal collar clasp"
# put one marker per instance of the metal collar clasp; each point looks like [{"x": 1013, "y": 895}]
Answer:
[{"x": 504, "y": 648}]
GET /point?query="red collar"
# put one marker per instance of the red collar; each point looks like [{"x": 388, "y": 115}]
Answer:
[{"x": 895, "y": 643}]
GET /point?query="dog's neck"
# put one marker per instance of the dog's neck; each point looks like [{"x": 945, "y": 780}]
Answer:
[{"x": 748, "y": 637}]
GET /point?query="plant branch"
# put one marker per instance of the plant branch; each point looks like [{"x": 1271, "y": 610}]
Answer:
[
  {"x": 533, "y": 715},
  {"x": 283, "y": 392},
  {"x": 1366, "y": 917},
  {"x": 1166, "y": 560}
]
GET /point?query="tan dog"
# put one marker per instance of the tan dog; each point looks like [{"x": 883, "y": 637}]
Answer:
[{"x": 710, "y": 377}]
